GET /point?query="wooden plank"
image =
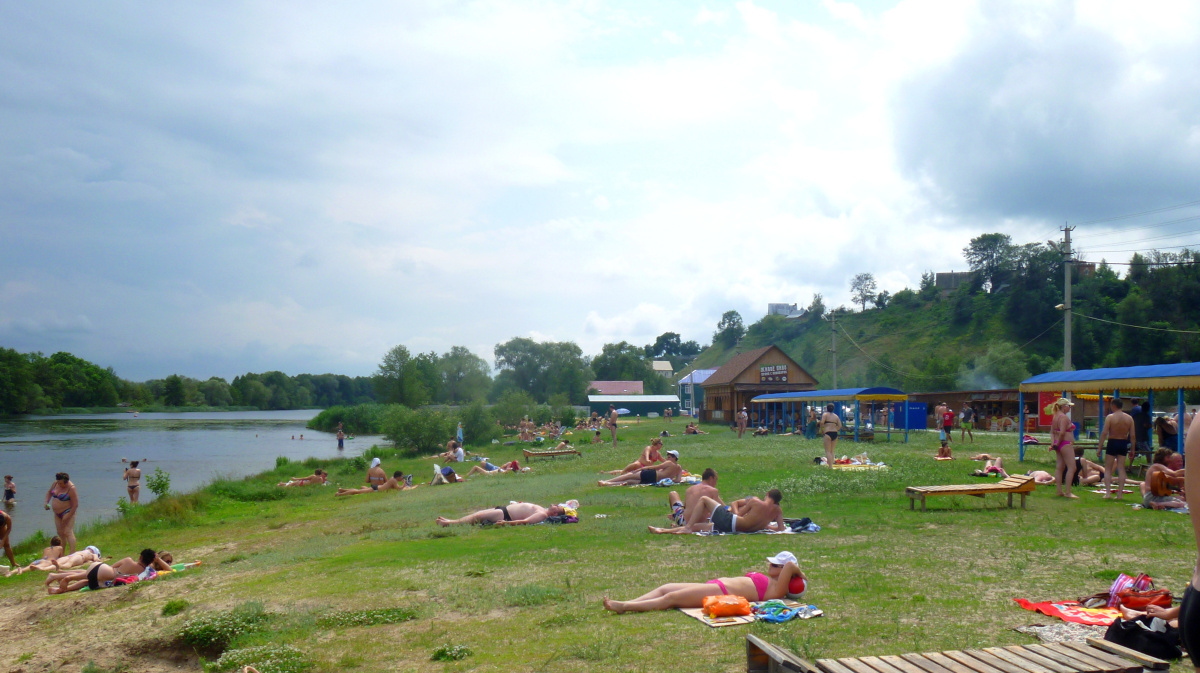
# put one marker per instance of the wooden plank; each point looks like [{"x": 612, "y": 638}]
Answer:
[
  {"x": 946, "y": 662},
  {"x": 1060, "y": 658},
  {"x": 855, "y": 665},
  {"x": 902, "y": 664},
  {"x": 757, "y": 660},
  {"x": 1095, "y": 663},
  {"x": 1019, "y": 662},
  {"x": 1041, "y": 660},
  {"x": 996, "y": 662},
  {"x": 976, "y": 665},
  {"x": 879, "y": 665},
  {"x": 1132, "y": 655},
  {"x": 924, "y": 663},
  {"x": 832, "y": 666},
  {"x": 1129, "y": 666}
]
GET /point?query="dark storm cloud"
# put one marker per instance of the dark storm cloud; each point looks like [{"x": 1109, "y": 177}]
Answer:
[{"x": 1040, "y": 115}]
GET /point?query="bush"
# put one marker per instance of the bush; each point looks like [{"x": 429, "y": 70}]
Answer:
[
  {"x": 174, "y": 607},
  {"x": 281, "y": 461},
  {"x": 373, "y": 617},
  {"x": 264, "y": 658},
  {"x": 451, "y": 653},
  {"x": 543, "y": 414},
  {"x": 159, "y": 482},
  {"x": 512, "y": 406},
  {"x": 247, "y": 491},
  {"x": 478, "y": 425},
  {"x": 218, "y": 629},
  {"x": 420, "y": 431}
]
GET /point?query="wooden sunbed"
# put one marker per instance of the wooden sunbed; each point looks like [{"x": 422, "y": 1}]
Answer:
[
  {"x": 1097, "y": 656},
  {"x": 550, "y": 453},
  {"x": 1020, "y": 485}
]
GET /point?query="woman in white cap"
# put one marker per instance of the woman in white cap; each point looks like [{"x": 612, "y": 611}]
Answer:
[
  {"x": 783, "y": 578},
  {"x": 1062, "y": 436},
  {"x": 376, "y": 477}
]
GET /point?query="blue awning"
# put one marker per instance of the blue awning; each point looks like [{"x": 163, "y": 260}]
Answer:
[
  {"x": 841, "y": 394},
  {"x": 1145, "y": 377}
]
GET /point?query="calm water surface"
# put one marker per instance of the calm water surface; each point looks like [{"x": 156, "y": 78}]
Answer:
[{"x": 193, "y": 447}]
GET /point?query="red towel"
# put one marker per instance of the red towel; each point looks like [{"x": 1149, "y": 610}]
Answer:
[{"x": 1071, "y": 611}]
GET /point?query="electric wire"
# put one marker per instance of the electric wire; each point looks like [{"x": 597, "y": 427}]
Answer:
[
  {"x": 1114, "y": 232},
  {"x": 1145, "y": 327},
  {"x": 1144, "y": 212}
]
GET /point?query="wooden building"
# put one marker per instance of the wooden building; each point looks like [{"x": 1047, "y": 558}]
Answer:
[{"x": 748, "y": 375}]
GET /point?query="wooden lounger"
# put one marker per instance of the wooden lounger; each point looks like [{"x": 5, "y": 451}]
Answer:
[
  {"x": 1021, "y": 485},
  {"x": 1097, "y": 656},
  {"x": 550, "y": 453}
]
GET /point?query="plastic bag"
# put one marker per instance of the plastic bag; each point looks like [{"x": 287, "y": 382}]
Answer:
[{"x": 726, "y": 606}]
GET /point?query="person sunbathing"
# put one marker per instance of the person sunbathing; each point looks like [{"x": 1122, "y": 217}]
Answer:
[
  {"x": 318, "y": 477},
  {"x": 84, "y": 556},
  {"x": 396, "y": 483},
  {"x": 691, "y": 429},
  {"x": 944, "y": 451},
  {"x": 748, "y": 515},
  {"x": 147, "y": 559},
  {"x": 993, "y": 466},
  {"x": 97, "y": 576},
  {"x": 453, "y": 453},
  {"x": 650, "y": 475},
  {"x": 375, "y": 474},
  {"x": 49, "y": 556},
  {"x": 444, "y": 475},
  {"x": 596, "y": 437},
  {"x": 513, "y": 514},
  {"x": 489, "y": 469},
  {"x": 761, "y": 431},
  {"x": 650, "y": 458},
  {"x": 983, "y": 456},
  {"x": 777, "y": 582}
]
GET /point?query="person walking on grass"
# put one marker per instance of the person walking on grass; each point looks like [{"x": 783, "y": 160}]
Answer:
[
  {"x": 968, "y": 422},
  {"x": 831, "y": 428},
  {"x": 612, "y": 423},
  {"x": 1118, "y": 430},
  {"x": 743, "y": 419},
  {"x": 1062, "y": 444}
]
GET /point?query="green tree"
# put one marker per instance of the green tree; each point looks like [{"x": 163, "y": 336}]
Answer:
[
  {"x": 399, "y": 380},
  {"x": 992, "y": 257},
  {"x": 173, "y": 391},
  {"x": 863, "y": 289},
  {"x": 817, "y": 306},
  {"x": 730, "y": 329},
  {"x": 622, "y": 362},
  {"x": 465, "y": 376},
  {"x": 513, "y": 406}
]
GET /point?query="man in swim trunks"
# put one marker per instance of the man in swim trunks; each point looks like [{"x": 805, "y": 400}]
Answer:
[
  {"x": 612, "y": 423},
  {"x": 1118, "y": 430},
  {"x": 649, "y": 476},
  {"x": 707, "y": 488},
  {"x": 1062, "y": 444},
  {"x": 968, "y": 422},
  {"x": 133, "y": 477},
  {"x": 396, "y": 483},
  {"x": 341, "y": 437},
  {"x": 513, "y": 514},
  {"x": 748, "y": 515},
  {"x": 743, "y": 419},
  {"x": 6, "y": 525}
]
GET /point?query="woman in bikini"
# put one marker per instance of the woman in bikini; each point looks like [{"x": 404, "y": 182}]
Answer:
[
  {"x": 49, "y": 556},
  {"x": 132, "y": 478},
  {"x": 64, "y": 501},
  {"x": 779, "y": 581},
  {"x": 650, "y": 458},
  {"x": 89, "y": 554},
  {"x": 1062, "y": 444},
  {"x": 376, "y": 477},
  {"x": 831, "y": 425}
]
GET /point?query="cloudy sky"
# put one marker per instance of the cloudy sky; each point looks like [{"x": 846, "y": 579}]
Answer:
[{"x": 242, "y": 186}]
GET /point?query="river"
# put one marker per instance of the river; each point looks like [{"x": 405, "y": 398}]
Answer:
[{"x": 193, "y": 447}]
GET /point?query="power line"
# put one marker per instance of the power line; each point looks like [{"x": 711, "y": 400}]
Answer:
[
  {"x": 1146, "y": 327},
  {"x": 1144, "y": 212},
  {"x": 1161, "y": 247},
  {"x": 1168, "y": 223},
  {"x": 1147, "y": 263},
  {"x": 1154, "y": 238}
]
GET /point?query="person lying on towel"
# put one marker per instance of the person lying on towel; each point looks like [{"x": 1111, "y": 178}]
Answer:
[
  {"x": 748, "y": 515},
  {"x": 783, "y": 578},
  {"x": 650, "y": 475},
  {"x": 513, "y": 514},
  {"x": 396, "y": 483},
  {"x": 650, "y": 458},
  {"x": 318, "y": 477}
]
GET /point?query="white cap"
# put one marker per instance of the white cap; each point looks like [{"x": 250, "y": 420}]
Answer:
[
  {"x": 93, "y": 549},
  {"x": 782, "y": 558},
  {"x": 673, "y": 452}
]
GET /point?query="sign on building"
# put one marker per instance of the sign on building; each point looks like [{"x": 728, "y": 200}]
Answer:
[{"x": 772, "y": 374}]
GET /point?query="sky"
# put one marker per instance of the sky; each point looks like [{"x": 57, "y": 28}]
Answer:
[{"x": 218, "y": 188}]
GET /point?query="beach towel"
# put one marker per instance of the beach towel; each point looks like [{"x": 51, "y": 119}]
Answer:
[
  {"x": 757, "y": 532},
  {"x": 800, "y": 612},
  {"x": 1072, "y": 611},
  {"x": 856, "y": 468}
]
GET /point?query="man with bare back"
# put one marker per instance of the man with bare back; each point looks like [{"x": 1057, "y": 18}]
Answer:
[
  {"x": 513, "y": 514},
  {"x": 650, "y": 475},
  {"x": 1118, "y": 430},
  {"x": 748, "y": 515},
  {"x": 612, "y": 423},
  {"x": 707, "y": 488}
]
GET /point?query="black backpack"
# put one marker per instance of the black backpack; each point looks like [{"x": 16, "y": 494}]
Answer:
[{"x": 1136, "y": 635}]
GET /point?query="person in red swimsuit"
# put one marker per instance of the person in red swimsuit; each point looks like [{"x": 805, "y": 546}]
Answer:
[{"x": 783, "y": 578}]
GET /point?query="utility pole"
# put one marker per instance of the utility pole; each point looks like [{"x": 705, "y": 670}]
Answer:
[
  {"x": 833, "y": 346},
  {"x": 1067, "y": 317}
]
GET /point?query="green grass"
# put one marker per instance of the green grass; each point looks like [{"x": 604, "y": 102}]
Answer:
[{"x": 348, "y": 583}]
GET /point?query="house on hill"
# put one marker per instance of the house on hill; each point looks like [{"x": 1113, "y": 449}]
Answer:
[
  {"x": 616, "y": 387},
  {"x": 663, "y": 368},
  {"x": 747, "y": 375}
]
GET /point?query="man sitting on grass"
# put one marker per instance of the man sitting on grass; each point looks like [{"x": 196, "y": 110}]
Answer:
[
  {"x": 514, "y": 514},
  {"x": 691, "y": 429},
  {"x": 319, "y": 476},
  {"x": 748, "y": 515},
  {"x": 396, "y": 483},
  {"x": 707, "y": 488},
  {"x": 1157, "y": 489},
  {"x": 650, "y": 475},
  {"x": 452, "y": 454}
]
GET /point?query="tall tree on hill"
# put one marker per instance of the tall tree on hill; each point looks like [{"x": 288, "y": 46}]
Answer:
[
  {"x": 729, "y": 329},
  {"x": 992, "y": 257},
  {"x": 863, "y": 288},
  {"x": 817, "y": 306}
]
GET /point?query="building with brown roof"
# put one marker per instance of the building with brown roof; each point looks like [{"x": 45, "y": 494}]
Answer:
[{"x": 746, "y": 375}]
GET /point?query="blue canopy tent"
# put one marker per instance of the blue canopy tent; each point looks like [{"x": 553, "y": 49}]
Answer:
[
  {"x": 1178, "y": 377},
  {"x": 772, "y": 405}
]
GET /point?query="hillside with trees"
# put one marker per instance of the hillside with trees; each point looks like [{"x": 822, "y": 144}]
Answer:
[{"x": 994, "y": 330}]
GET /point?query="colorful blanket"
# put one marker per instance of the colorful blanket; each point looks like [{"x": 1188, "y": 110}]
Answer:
[
  {"x": 766, "y": 611},
  {"x": 1072, "y": 611}
]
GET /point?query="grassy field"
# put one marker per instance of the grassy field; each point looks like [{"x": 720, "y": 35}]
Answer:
[{"x": 298, "y": 568}]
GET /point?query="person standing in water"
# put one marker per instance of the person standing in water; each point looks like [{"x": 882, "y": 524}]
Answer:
[
  {"x": 133, "y": 478},
  {"x": 10, "y": 489},
  {"x": 63, "y": 500},
  {"x": 341, "y": 437}
]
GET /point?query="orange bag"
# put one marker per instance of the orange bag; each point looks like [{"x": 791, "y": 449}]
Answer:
[
  {"x": 726, "y": 606},
  {"x": 1139, "y": 600}
]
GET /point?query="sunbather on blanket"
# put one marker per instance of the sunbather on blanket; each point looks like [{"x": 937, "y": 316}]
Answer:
[
  {"x": 97, "y": 576},
  {"x": 983, "y": 456},
  {"x": 396, "y": 483},
  {"x": 84, "y": 556},
  {"x": 515, "y": 514},
  {"x": 650, "y": 458},
  {"x": 147, "y": 559},
  {"x": 691, "y": 497},
  {"x": 692, "y": 429},
  {"x": 1169, "y": 615},
  {"x": 779, "y": 581},
  {"x": 944, "y": 451},
  {"x": 319, "y": 476},
  {"x": 993, "y": 466},
  {"x": 489, "y": 469},
  {"x": 748, "y": 515},
  {"x": 49, "y": 556},
  {"x": 649, "y": 476}
]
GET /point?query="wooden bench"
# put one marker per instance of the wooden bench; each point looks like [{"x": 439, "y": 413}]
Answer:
[
  {"x": 1021, "y": 485},
  {"x": 1097, "y": 656},
  {"x": 549, "y": 453}
]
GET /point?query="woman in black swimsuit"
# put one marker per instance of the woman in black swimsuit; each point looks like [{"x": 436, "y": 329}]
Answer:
[{"x": 831, "y": 425}]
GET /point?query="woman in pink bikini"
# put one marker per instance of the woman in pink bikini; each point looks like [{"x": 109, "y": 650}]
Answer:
[
  {"x": 1062, "y": 437},
  {"x": 64, "y": 501},
  {"x": 782, "y": 578}
]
